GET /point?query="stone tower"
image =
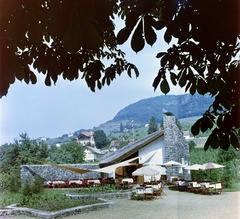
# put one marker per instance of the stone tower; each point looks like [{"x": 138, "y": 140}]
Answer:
[{"x": 176, "y": 146}]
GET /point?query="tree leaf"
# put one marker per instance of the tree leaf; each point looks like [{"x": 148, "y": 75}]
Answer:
[
  {"x": 164, "y": 60},
  {"x": 160, "y": 54},
  {"x": 135, "y": 70},
  {"x": 193, "y": 88},
  {"x": 213, "y": 140},
  {"x": 129, "y": 71},
  {"x": 201, "y": 86},
  {"x": 234, "y": 140},
  {"x": 224, "y": 143},
  {"x": 206, "y": 123},
  {"x": 183, "y": 78},
  {"x": 158, "y": 25},
  {"x": 195, "y": 129},
  {"x": 73, "y": 38},
  {"x": 33, "y": 78},
  {"x": 48, "y": 80},
  {"x": 156, "y": 81},
  {"x": 173, "y": 78},
  {"x": 123, "y": 35},
  {"x": 167, "y": 36},
  {"x": 188, "y": 86},
  {"x": 149, "y": 33},
  {"x": 164, "y": 86},
  {"x": 132, "y": 19},
  {"x": 99, "y": 85},
  {"x": 137, "y": 42}
]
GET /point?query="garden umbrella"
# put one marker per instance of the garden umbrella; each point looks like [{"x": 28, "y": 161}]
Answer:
[
  {"x": 208, "y": 166},
  {"x": 172, "y": 163},
  {"x": 193, "y": 167},
  {"x": 146, "y": 170}
]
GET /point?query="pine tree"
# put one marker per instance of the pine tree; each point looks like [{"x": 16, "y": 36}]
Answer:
[{"x": 153, "y": 126}]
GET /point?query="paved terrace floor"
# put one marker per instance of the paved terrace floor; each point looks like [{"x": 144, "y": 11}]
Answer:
[{"x": 174, "y": 205}]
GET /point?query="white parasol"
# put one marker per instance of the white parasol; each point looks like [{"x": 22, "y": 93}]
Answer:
[
  {"x": 208, "y": 166},
  {"x": 193, "y": 167},
  {"x": 146, "y": 170},
  {"x": 172, "y": 163}
]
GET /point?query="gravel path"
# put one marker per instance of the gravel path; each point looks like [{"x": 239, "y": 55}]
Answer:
[{"x": 173, "y": 205}]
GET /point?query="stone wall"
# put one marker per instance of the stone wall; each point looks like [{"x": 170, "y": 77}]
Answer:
[
  {"x": 176, "y": 146},
  {"x": 48, "y": 172}
]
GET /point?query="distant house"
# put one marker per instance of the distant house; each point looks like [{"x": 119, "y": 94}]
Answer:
[
  {"x": 156, "y": 148},
  {"x": 42, "y": 139},
  {"x": 92, "y": 154},
  {"x": 114, "y": 145},
  {"x": 186, "y": 135},
  {"x": 86, "y": 138},
  {"x": 199, "y": 142}
]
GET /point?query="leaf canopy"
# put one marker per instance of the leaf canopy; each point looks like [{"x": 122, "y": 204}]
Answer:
[{"x": 72, "y": 38}]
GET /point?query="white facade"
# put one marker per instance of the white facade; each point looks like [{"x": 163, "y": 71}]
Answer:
[
  {"x": 154, "y": 155},
  {"x": 89, "y": 156}
]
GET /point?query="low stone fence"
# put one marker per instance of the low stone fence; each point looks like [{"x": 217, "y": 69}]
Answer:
[
  {"x": 12, "y": 210},
  {"x": 48, "y": 172},
  {"x": 111, "y": 195}
]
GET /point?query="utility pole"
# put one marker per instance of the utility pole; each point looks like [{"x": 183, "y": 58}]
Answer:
[{"x": 133, "y": 130}]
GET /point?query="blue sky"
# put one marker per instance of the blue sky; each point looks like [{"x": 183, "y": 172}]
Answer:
[{"x": 53, "y": 111}]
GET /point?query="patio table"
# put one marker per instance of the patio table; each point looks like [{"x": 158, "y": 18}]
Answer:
[{"x": 129, "y": 180}]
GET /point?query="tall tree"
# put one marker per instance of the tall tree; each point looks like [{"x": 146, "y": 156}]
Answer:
[
  {"x": 202, "y": 60},
  {"x": 69, "y": 153},
  {"x": 153, "y": 126},
  {"x": 18, "y": 153},
  {"x": 100, "y": 138}
]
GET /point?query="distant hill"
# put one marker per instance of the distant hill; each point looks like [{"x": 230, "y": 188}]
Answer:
[
  {"x": 182, "y": 106},
  {"x": 140, "y": 113}
]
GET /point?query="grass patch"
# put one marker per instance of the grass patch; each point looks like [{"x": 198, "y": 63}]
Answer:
[
  {"x": 93, "y": 190},
  {"x": 53, "y": 203},
  {"x": 235, "y": 186},
  {"x": 8, "y": 198},
  {"x": 48, "y": 200}
]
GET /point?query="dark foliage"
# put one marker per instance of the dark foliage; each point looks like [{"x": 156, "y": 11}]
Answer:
[
  {"x": 100, "y": 139},
  {"x": 153, "y": 126},
  {"x": 71, "y": 38}
]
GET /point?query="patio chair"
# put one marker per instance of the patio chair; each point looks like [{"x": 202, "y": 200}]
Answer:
[
  {"x": 148, "y": 191},
  {"x": 138, "y": 194},
  {"x": 218, "y": 188}
]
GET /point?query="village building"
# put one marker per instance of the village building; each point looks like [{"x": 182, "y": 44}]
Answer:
[
  {"x": 86, "y": 138},
  {"x": 92, "y": 154},
  {"x": 114, "y": 145}
]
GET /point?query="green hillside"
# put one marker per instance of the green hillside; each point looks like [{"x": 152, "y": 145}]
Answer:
[
  {"x": 186, "y": 108},
  {"x": 139, "y": 113}
]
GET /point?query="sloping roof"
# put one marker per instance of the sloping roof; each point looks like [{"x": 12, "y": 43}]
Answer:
[
  {"x": 200, "y": 142},
  {"x": 130, "y": 149},
  {"x": 115, "y": 143},
  {"x": 95, "y": 150},
  {"x": 85, "y": 134}
]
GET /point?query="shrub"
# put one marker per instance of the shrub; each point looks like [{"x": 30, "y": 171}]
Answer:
[
  {"x": 29, "y": 188},
  {"x": 10, "y": 181}
]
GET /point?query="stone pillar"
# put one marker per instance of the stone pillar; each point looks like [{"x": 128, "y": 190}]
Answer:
[{"x": 176, "y": 147}]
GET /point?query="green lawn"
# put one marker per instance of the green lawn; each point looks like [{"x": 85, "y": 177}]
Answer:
[
  {"x": 48, "y": 200},
  {"x": 235, "y": 186}
]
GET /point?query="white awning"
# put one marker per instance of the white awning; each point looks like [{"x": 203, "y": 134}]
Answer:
[{"x": 112, "y": 168}]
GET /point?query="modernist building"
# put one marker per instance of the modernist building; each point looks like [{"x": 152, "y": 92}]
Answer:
[{"x": 155, "y": 149}]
